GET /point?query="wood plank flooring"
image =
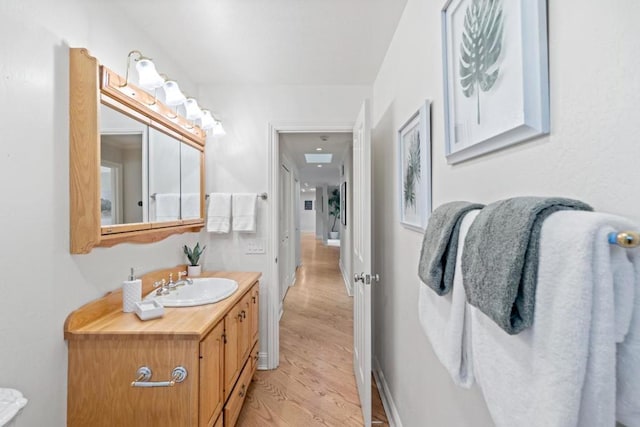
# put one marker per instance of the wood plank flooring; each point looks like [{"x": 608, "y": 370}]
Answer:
[{"x": 314, "y": 384}]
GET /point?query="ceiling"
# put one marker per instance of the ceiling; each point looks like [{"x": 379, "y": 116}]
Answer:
[
  {"x": 312, "y": 42},
  {"x": 296, "y": 145}
]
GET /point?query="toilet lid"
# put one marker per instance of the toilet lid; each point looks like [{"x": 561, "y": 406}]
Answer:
[{"x": 11, "y": 401}]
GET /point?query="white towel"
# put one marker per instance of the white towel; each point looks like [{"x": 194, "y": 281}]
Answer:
[
  {"x": 244, "y": 212},
  {"x": 167, "y": 206},
  {"x": 561, "y": 371},
  {"x": 444, "y": 318},
  {"x": 628, "y": 366},
  {"x": 190, "y": 205},
  {"x": 219, "y": 213}
]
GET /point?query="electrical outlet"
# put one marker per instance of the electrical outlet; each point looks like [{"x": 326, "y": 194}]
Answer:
[{"x": 255, "y": 247}]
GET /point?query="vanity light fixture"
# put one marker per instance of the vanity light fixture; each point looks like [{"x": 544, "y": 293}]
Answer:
[
  {"x": 172, "y": 94},
  {"x": 148, "y": 77},
  {"x": 218, "y": 130},
  {"x": 207, "y": 121},
  {"x": 319, "y": 149},
  {"x": 192, "y": 110}
]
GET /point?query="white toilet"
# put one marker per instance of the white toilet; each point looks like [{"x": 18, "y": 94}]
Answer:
[{"x": 11, "y": 403}]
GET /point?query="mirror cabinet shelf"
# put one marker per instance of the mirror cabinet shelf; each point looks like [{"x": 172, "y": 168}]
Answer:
[{"x": 136, "y": 165}]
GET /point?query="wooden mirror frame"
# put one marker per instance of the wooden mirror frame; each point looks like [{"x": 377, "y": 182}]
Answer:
[{"x": 91, "y": 84}]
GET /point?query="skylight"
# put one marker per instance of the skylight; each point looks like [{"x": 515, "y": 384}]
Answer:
[{"x": 318, "y": 158}]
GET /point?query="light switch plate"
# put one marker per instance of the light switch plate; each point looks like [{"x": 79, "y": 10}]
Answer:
[{"x": 255, "y": 247}]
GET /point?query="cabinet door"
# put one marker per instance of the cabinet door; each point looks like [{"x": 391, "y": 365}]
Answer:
[
  {"x": 211, "y": 375},
  {"x": 245, "y": 328},
  {"x": 255, "y": 315},
  {"x": 231, "y": 342}
]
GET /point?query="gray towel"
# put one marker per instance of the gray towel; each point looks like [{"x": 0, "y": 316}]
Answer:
[
  {"x": 500, "y": 258},
  {"x": 440, "y": 244}
]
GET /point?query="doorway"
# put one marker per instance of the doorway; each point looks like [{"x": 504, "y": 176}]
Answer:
[{"x": 276, "y": 160}]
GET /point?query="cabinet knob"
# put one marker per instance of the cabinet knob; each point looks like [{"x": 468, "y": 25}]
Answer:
[{"x": 242, "y": 390}]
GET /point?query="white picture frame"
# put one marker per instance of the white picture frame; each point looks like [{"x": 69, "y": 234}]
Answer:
[
  {"x": 414, "y": 169},
  {"x": 483, "y": 113}
]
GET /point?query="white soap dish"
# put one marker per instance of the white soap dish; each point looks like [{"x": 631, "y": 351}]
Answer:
[{"x": 149, "y": 309}]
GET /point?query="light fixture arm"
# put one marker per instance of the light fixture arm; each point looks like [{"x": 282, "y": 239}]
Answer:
[{"x": 140, "y": 56}]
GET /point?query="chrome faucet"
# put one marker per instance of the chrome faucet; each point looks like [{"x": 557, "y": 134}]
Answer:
[
  {"x": 163, "y": 287},
  {"x": 181, "y": 281}
]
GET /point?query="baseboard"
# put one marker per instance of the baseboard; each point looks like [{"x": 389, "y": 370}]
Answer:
[
  {"x": 347, "y": 282},
  {"x": 385, "y": 395},
  {"x": 263, "y": 364}
]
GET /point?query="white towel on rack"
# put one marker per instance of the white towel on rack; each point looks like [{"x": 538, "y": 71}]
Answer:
[
  {"x": 628, "y": 366},
  {"x": 167, "y": 206},
  {"x": 190, "y": 205},
  {"x": 244, "y": 212},
  {"x": 219, "y": 213},
  {"x": 444, "y": 319},
  {"x": 562, "y": 370}
]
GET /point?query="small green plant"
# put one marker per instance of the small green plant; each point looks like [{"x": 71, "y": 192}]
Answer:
[{"x": 194, "y": 254}]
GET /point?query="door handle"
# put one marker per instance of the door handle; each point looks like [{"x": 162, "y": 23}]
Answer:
[{"x": 358, "y": 277}]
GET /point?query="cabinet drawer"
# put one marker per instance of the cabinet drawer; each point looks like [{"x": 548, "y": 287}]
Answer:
[{"x": 238, "y": 394}]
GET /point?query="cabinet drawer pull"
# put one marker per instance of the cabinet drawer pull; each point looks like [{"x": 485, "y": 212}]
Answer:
[
  {"x": 143, "y": 375},
  {"x": 242, "y": 390}
]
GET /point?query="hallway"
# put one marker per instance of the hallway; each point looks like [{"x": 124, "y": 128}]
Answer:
[{"x": 314, "y": 384}]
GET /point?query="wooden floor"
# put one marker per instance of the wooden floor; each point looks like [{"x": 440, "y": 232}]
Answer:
[{"x": 314, "y": 384}]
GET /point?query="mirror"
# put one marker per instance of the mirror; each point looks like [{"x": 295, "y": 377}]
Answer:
[
  {"x": 123, "y": 159},
  {"x": 190, "y": 182},
  {"x": 135, "y": 165},
  {"x": 164, "y": 176}
]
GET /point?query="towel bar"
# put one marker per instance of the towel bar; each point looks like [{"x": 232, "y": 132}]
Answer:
[
  {"x": 262, "y": 196},
  {"x": 626, "y": 239}
]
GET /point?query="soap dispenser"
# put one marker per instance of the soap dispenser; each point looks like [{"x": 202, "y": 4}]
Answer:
[{"x": 131, "y": 293}]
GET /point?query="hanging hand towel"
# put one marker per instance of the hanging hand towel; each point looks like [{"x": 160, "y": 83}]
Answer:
[
  {"x": 500, "y": 257},
  {"x": 219, "y": 213},
  {"x": 244, "y": 212},
  {"x": 190, "y": 205},
  {"x": 562, "y": 370},
  {"x": 628, "y": 360},
  {"x": 167, "y": 207},
  {"x": 444, "y": 319},
  {"x": 440, "y": 245}
]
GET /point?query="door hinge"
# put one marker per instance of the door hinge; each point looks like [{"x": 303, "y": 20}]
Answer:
[
  {"x": 224, "y": 337},
  {"x": 276, "y": 260}
]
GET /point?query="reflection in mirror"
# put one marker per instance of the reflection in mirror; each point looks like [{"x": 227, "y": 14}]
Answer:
[
  {"x": 164, "y": 177},
  {"x": 190, "y": 181},
  {"x": 122, "y": 168}
]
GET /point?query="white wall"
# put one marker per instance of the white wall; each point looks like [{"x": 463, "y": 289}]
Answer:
[
  {"x": 307, "y": 218},
  {"x": 42, "y": 282},
  {"x": 346, "y": 232},
  {"x": 590, "y": 155}
]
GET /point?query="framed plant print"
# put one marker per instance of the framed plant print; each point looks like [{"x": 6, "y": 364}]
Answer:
[
  {"x": 414, "y": 165},
  {"x": 496, "y": 77}
]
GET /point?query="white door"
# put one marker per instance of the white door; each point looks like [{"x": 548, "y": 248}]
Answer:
[{"x": 362, "y": 255}]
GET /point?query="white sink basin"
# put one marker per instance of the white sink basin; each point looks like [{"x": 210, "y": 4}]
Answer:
[{"x": 205, "y": 290}]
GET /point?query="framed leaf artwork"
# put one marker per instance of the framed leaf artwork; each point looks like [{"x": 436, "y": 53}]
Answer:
[
  {"x": 496, "y": 78},
  {"x": 414, "y": 166}
]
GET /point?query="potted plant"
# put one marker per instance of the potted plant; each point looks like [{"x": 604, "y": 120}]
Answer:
[
  {"x": 334, "y": 211},
  {"x": 194, "y": 269}
]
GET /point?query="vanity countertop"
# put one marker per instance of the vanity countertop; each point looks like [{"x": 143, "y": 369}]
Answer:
[{"x": 104, "y": 319}]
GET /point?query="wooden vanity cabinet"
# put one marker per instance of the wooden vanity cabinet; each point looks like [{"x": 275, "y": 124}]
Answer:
[
  {"x": 212, "y": 376},
  {"x": 106, "y": 347}
]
